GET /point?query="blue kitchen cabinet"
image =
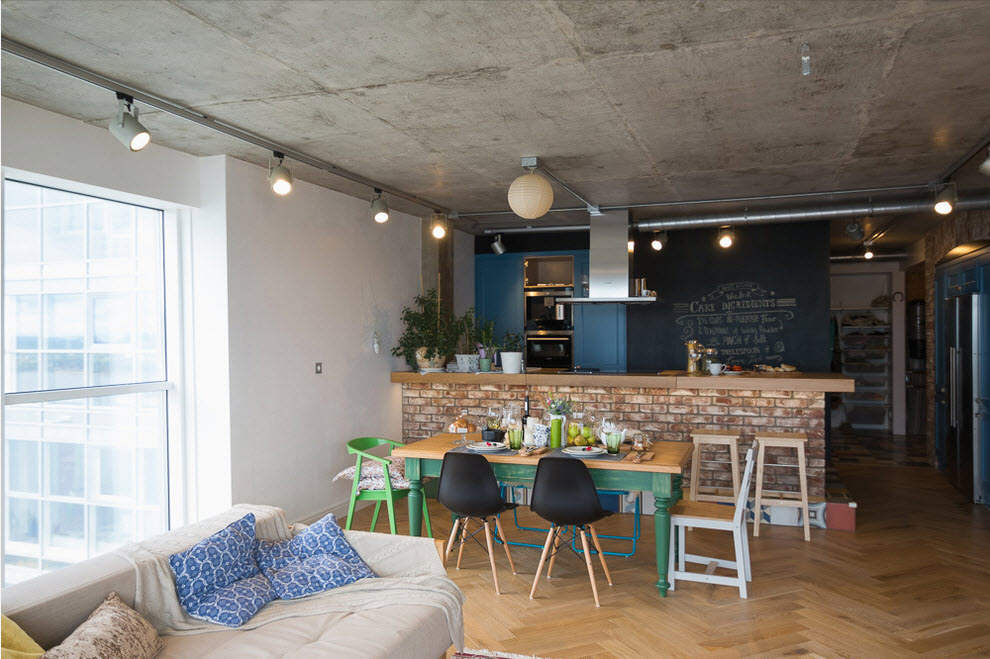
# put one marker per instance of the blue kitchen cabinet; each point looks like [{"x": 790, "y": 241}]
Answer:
[{"x": 498, "y": 291}]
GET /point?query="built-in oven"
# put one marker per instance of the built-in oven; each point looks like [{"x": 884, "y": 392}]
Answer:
[
  {"x": 551, "y": 350},
  {"x": 544, "y": 313}
]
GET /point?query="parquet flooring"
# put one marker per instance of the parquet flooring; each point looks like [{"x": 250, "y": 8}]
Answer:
[{"x": 913, "y": 580}]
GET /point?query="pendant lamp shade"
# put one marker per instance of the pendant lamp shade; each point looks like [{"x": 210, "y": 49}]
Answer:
[{"x": 530, "y": 196}]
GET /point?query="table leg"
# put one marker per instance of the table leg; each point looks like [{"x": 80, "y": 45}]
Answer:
[
  {"x": 663, "y": 485},
  {"x": 415, "y": 496}
]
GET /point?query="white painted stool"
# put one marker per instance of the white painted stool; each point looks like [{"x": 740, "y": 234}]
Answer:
[
  {"x": 728, "y": 438},
  {"x": 794, "y": 440}
]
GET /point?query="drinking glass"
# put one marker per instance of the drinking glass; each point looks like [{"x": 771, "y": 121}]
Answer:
[{"x": 613, "y": 441}]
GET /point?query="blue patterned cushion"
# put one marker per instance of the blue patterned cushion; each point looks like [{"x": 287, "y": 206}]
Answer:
[
  {"x": 318, "y": 559},
  {"x": 217, "y": 579}
]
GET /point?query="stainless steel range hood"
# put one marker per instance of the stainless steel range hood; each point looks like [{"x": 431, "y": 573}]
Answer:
[{"x": 608, "y": 265}]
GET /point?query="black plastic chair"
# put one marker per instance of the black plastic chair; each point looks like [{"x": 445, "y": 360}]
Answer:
[
  {"x": 469, "y": 490},
  {"x": 564, "y": 494}
]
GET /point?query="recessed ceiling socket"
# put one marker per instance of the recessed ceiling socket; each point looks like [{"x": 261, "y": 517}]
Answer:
[{"x": 319, "y": 368}]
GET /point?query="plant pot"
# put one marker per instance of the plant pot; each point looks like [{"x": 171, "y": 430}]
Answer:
[
  {"x": 467, "y": 363},
  {"x": 435, "y": 362},
  {"x": 512, "y": 362},
  {"x": 489, "y": 435},
  {"x": 485, "y": 364}
]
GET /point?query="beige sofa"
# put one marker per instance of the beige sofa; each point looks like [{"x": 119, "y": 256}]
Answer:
[{"x": 50, "y": 606}]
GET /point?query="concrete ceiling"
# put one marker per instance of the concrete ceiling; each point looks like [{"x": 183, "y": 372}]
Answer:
[{"x": 629, "y": 102}]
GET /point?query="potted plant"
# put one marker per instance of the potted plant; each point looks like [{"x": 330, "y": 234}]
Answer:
[
  {"x": 467, "y": 352},
  {"x": 485, "y": 335},
  {"x": 512, "y": 353},
  {"x": 430, "y": 334}
]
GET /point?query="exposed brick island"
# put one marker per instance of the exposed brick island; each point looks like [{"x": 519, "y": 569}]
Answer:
[{"x": 665, "y": 406}]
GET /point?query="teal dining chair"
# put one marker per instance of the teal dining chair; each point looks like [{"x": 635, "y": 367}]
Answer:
[{"x": 388, "y": 493}]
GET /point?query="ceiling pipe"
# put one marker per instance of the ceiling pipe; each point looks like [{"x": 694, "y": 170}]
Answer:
[
  {"x": 890, "y": 256},
  {"x": 810, "y": 213},
  {"x": 722, "y": 200}
]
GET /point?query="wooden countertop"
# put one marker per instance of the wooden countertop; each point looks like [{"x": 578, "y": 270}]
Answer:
[
  {"x": 825, "y": 382},
  {"x": 670, "y": 458}
]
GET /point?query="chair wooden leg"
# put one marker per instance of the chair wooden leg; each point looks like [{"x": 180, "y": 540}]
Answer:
[
  {"x": 758, "y": 503},
  {"x": 803, "y": 471},
  {"x": 450, "y": 543},
  {"x": 543, "y": 557},
  {"x": 556, "y": 550},
  {"x": 460, "y": 551},
  {"x": 737, "y": 540},
  {"x": 491, "y": 554},
  {"x": 505, "y": 544},
  {"x": 682, "y": 550},
  {"x": 374, "y": 518},
  {"x": 695, "y": 470},
  {"x": 350, "y": 507},
  {"x": 587, "y": 560},
  {"x": 745, "y": 548},
  {"x": 426, "y": 518},
  {"x": 391, "y": 515},
  {"x": 601, "y": 554}
]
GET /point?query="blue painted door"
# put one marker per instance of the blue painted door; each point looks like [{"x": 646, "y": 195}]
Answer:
[
  {"x": 498, "y": 291},
  {"x": 983, "y": 387}
]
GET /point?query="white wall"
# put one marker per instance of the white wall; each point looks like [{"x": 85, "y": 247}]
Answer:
[{"x": 311, "y": 278}]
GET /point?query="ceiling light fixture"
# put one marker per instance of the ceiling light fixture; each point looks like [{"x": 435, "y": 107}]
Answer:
[
  {"x": 498, "y": 246},
  {"x": 530, "y": 195},
  {"x": 868, "y": 250},
  {"x": 379, "y": 208},
  {"x": 126, "y": 127},
  {"x": 438, "y": 222},
  {"x": 279, "y": 176},
  {"x": 631, "y": 246},
  {"x": 945, "y": 200},
  {"x": 725, "y": 237},
  {"x": 985, "y": 166},
  {"x": 805, "y": 59},
  {"x": 659, "y": 240},
  {"x": 855, "y": 230}
]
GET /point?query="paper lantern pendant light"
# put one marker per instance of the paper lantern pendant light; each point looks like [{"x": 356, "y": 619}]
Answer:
[{"x": 530, "y": 196}]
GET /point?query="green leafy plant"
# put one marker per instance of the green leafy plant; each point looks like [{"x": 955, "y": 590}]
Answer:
[
  {"x": 512, "y": 342},
  {"x": 485, "y": 336},
  {"x": 468, "y": 333},
  {"x": 427, "y": 325}
]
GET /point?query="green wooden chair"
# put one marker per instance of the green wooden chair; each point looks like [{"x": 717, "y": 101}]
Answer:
[{"x": 389, "y": 495}]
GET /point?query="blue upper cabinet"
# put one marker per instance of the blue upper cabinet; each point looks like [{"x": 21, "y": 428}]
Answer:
[
  {"x": 599, "y": 329},
  {"x": 498, "y": 291}
]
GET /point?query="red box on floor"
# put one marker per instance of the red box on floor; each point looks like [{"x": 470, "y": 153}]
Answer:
[{"x": 840, "y": 516}]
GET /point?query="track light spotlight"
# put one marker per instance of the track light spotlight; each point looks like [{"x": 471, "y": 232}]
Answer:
[
  {"x": 868, "y": 251},
  {"x": 631, "y": 246},
  {"x": 725, "y": 237},
  {"x": 126, "y": 127},
  {"x": 855, "y": 230},
  {"x": 945, "y": 200},
  {"x": 659, "y": 240},
  {"x": 498, "y": 246},
  {"x": 985, "y": 166},
  {"x": 439, "y": 225},
  {"x": 379, "y": 208},
  {"x": 279, "y": 176}
]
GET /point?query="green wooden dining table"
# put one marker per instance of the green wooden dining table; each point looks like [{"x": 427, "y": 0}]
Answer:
[{"x": 661, "y": 476}]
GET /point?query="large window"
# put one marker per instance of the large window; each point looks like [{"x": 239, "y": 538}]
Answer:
[{"x": 86, "y": 390}]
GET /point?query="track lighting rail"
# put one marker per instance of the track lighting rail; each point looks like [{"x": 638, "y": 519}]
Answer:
[{"x": 165, "y": 105}]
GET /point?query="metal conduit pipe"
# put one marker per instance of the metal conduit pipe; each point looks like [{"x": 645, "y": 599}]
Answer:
[
  {"x": 809, "y": 213},
  {"x": 890, "y": 256}
]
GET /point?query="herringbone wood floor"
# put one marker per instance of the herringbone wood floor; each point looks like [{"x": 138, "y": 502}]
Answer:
[{"x": 913, "y": 580}]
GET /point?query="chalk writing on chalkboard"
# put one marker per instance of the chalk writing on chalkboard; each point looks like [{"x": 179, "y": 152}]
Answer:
[{"x": 742, "y": 320}]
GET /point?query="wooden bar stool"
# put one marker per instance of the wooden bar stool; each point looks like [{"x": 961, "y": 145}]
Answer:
[
  {"x": 728, "y": 438},
  {"x": 793, "y": 440}
]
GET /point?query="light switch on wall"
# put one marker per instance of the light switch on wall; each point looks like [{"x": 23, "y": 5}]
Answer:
[{"x": 319, "y": 368}]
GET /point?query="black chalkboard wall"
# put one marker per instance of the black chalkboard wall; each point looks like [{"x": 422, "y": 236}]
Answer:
[{"x": 764, "y": 300}]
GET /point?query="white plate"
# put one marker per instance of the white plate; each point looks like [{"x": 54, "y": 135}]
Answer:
[
  {"x": 736, "y": 373},
  {"x": 487, "y": 447},
  {"x": 584, "y": 450},
  {"x": 431, "y": 370}
]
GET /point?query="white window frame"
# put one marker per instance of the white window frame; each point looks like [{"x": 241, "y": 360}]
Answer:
[{"x": 178, "y": 478}]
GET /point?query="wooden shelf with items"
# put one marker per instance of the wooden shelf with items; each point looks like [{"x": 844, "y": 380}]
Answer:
[{"x": 864, "y": 343}]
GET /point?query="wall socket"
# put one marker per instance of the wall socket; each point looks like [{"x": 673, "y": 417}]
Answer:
[{"x": 319, "y": 368}]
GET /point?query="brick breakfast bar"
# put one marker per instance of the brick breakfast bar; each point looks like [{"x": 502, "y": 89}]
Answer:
[{"x": 664, "y": 406}]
